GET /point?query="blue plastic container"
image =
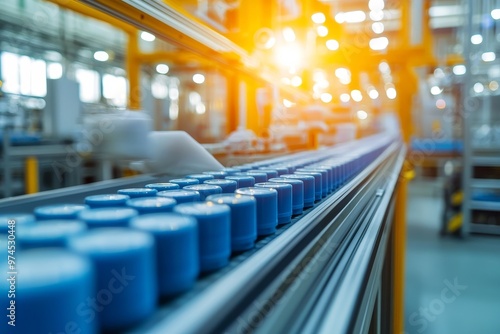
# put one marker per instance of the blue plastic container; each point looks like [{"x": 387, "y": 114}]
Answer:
[
  {"x": 231, "y": 170},
  {"x": 181, "y": 195},
  {"x": 270, "y": 172},
  {"x": 267, "y": 208},
  {"x": 318, "y": 183},
  {"x": 52, "y": 291},
  {"x": 297, "y": 193},
  {"x": 243, "y": 181},
  {"x": 59, "y": 211},
  {"x": 284, "y": 200},
  {"x": 227, "y": 186},
  {"x": 157, "y": 204},
  {"x": 214, "y": 232},
  {"x": 243, "y": 219},
  {"x": 49, "y": 233},
  {"x": 205, "y": 190},
  {"x": 138, "y": 192},
  {"x": 184, "y": 182},
  {"x": 126, "y": 279},
  {"x": 308, "y": 182},
  {"x": 106, "y": 200},
  {"x": 107, "y": 217},
  {"x": 257, "y": 175},
  {"x": 162, "y": 186},
  {"x": 325, "y": 186},
  {"x": 14, "y": 220},
  {"x": 177, "y": 258}
]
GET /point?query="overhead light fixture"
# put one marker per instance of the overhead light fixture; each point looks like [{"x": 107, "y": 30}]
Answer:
[
  {"x": 54, "y": 71},
  {"x": 459, "y": 69},
  {"x": 332, "y": 45},
  {"x": 495, "y": 14},
  {"x": 345, "y": 97},
  {"x": 478, "y": 87},
  {"x": 476, "y": 39},
  {"x": 373, "y": 94},
  {"x": 198, "y": 78},
  {"x": 326, "y": 97},
  {"x": 384, "y": 68},
  {"x": 147, "y": 36},
  {"x": 318, "y": 18},
  {"x": 493, "y": 85},
  {"x": 162, "y": 68},
  {"x": 435, "y": 90},
  {"x": 488, "y": 56},
  {"x": 322, "y": 31},
  {"x": 101, "y": 56},
  {"x": 376, "y": 4},
  {"x": 356, "y": 95},
  {"x": 391, "y": 93},
  {"x": 378, "y": 27},
  {"x": 379, "y": 43},
  {"x": 440, "y": 104},
  {"x": 356, "y": 16},
  {"x": 362, "y": 114},
  {"x": 377, "y": 15}
]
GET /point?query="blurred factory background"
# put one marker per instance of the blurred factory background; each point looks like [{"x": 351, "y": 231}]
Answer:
[{"x": 83, "y": 83}]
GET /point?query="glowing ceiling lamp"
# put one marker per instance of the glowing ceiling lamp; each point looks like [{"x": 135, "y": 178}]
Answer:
[
  {"x": 459, "y": 69},
  {"x": 361, "y": 114},
  {"x": 148, "y": 37},
  {"x": 101, "y": 56},
  {"x": 345, "y": 97},
  {"x": 332, "y": 45},
  {"x": 162, "y": 68},
  {"x": 289, "y": 34},
  {"x": 198, "y": 78},
  {"x": 326, "y": 97},
  {"x": 318, "y": 18},
  {"x": 378, "y": 27},
  {"x": 356, "y": 95},
  {"x": 379, "y": 43},
  {"x": 435, "y": 90}
]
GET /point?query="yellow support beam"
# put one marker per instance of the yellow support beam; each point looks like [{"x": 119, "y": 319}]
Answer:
[
  {"x": 399, "y": 249},
  {"x": 80, "y": 8},
  {"x": 31, "y": 175}
]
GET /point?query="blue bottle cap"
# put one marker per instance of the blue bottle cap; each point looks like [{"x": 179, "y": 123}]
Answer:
[
  {"x": 181, "y": 195},
  {"x": 107, "y": 217},
  {"x": 243, "y": 219},
  {"x": 231, "y": 170},
  {"x": 49, "y": 233},
  {"x": 124, "y": 260},
  {"x": 318, "y": 182},
  {"x": 138, "y": 192},
  {"x": 258, "y": 176},
  {"x": 59, "y": 211},
  {"x": 214, "y": 232},
  {"x": 297, "y": 193},
  {"x": 177, "y": 258},
  {"x": 270, "y": 172},
  {"x": 163, "y": 186},
  {"x": 217, "y": 174},
  {"x": 205, "y": 190},
  {"x": 243, "y": 181},
  {"x": 243, "y": 168},
  {"x": 184, "y": 182},
  {"x": 267, "y": 208},
  {"x": 227, "y": 186},
  {"x": 284, "y": 200},
  {"x": 106, "y": 200},
  {"x": 11, "y": 221},
  {"x": 152, "y": 204},
  {"x": 308, "y": 181},
  {"x": 280, "y": 169},
  {"x": 200, "y": 177},
  {"x": 56, "y": 275}
]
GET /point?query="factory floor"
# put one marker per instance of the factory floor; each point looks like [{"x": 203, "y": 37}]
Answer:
[{"x": 452, "y": 285}]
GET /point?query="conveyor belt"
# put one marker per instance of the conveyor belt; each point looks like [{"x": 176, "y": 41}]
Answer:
[{"x": 325, "y": 266}]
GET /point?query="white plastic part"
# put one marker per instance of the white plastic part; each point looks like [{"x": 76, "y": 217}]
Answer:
[
  {"x": 124, "y": 135},
  {"x": 176, "y": 153}
]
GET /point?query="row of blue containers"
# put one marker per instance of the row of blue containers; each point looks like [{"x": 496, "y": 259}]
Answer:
[{"x": 104, "y": 264}]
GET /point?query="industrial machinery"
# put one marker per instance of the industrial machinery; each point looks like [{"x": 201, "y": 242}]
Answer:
[{"x": 330, "y": 270}]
